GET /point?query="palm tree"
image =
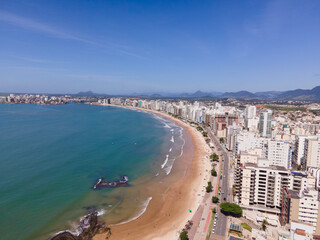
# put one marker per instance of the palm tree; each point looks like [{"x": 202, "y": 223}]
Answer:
[{"x": 264, "y": 224}]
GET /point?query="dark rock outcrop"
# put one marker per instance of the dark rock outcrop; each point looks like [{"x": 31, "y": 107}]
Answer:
[
  {"x": 102, "y": 183},
  {"x": 87, "y": 228}
]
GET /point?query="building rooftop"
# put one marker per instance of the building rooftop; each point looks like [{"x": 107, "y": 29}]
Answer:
[
  {"x": 271, "y": 167},
  {"x": 232, "y": 237},
  {"x": 294, "y": 194},
  {"x": 235, "y": 227}
]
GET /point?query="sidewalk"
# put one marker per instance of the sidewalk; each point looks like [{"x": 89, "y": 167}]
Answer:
[{"x": 202, "y": 217}]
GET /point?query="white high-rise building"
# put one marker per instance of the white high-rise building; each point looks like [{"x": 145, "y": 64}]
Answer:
[
  {"x": 247, "y": 140},
  {"x": 279, "y": 153},
  {"x": 311, "y": 156},
  {"x": 261, "y": 186},
  {"x": 250, "y": 112},
  {"x": 265, "y": 123},
  {"x": 300, "y": 147}
]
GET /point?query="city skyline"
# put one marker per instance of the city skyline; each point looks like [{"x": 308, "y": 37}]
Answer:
[{"x": 122, "y": 48}]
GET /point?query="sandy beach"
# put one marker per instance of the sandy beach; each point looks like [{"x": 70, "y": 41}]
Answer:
[{"x": 168, "y": 212}]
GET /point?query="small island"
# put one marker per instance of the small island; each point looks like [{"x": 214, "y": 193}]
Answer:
[{"x": 102, "y": 183}]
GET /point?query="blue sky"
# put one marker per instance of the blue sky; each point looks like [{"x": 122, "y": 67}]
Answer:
[{"x": 158, "y": 46}]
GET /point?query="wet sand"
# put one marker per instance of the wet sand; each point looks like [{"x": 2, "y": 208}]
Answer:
[{"x": 172, "y": 198}]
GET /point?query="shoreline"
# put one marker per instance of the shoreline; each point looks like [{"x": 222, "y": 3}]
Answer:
[{"x": 168, "y": 211}]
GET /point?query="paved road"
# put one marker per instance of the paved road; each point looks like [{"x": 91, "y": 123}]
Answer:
[{"x": 221, "y": 227}]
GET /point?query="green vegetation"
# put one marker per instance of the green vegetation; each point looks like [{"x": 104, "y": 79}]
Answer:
[
  {"x": 315, "y": 112},
  {"x": 246, "y": 226},
  {"x": 236, "y": 233},
  {"x": 211, "y": 222},
  {"x": 174, "y": 115},
  {"x": 214, "y": 210},
  {"x": 214, "y": 157},
  {"x": 215, "y": 200},
  {"x": 209, "y": 187},
  {"x": 231, "y": 209},
  {"x": 200, "y": 129},
  {"x": 286, "y": 108},
  {"x": 214, "y": 172},
  {"x": 234, "y": 190},
  {"x": 184, "y": 235},
  {"x": 264, "y": 224},
  {"x": 221, "y": 140},
  {"x": 207, "y": 140}
]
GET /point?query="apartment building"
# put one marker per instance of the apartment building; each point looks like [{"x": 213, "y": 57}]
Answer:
[
  {"x": 260, "y": 186},
  {"x": 300, "y": 206},
  {"x": 265, "y": 118},
  {"x": 299, "y": 148},
  {"x": 222, "y": 121},
  {"x": 279, "y": 153},
  {"x": 311, "y": 157},
  {"x": 247, "y": 140}
]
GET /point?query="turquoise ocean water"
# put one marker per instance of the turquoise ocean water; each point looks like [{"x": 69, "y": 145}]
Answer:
[{"x": 51, "y": 156}]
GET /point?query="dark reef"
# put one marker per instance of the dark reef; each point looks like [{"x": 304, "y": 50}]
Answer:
[
  {"x": 87, "y": 228},
  {"x": 102, "y": 183}
]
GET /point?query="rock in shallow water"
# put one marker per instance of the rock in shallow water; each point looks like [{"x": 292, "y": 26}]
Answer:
[{"x": 87, "y": 228}]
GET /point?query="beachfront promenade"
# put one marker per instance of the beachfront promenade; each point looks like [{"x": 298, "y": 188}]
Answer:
[{"x": 203, "y": 215}]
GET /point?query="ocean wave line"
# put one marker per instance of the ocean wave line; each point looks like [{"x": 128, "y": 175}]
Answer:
[
  {"x": 165, "y": 161},
  {"x": 142, "y": 211},
  {"x": 169, "y": 167}
]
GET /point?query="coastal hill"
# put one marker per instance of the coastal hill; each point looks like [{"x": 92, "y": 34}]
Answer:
[
  {"x": 301, "y": 94},
  {"x": 239, "y": 95},
  {"x": 298, "y": 95},
  {"x": 292, "y": 95}
]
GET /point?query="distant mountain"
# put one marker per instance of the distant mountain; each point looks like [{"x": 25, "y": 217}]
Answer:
[
  {"x": 88, "y": 93},
  {"x": 301, "y": 94},
  {"x": 197, "y": 94},
  {"x": 239, "y": 95},
  {"x": 268, "y": 95},
  {"x": 156, "y": 96},
  {"x": 298, "y": 94},
  {"x": 200, "y": 94}
]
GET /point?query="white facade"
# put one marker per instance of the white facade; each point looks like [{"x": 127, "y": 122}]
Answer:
[
  {"x": 309, "y": 205},
  {"x": 250, "y": 112},
  {"x": 261, "y": 186},
  {"x": 265, "y": 123},
  {"x": 300, "y": 147},
  {"x": 247, "y": 140},
  {"x": 279, "y": 153},
  {"x": 312, "y": 153}
]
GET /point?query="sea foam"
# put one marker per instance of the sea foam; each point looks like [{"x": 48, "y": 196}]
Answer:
[
  {"x": 165, "y": 161},
  {"x": 142, "y": 211}
]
